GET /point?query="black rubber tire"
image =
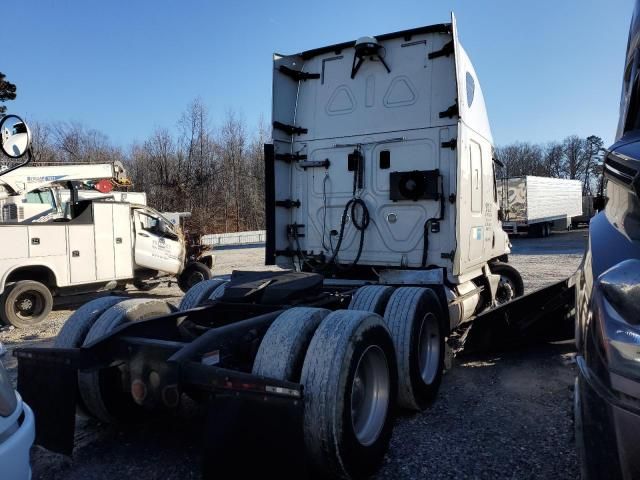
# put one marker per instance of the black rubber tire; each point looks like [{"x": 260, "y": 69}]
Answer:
[
  {"x": 101, "y": 390},
  {"x": 38, "y": 294},
  {"x": 514, "y": 277},
  {"x": 199, "y": 293},
  {"x": 330, "y": 365},
  {"x": 219, "y": 291},
  {"x": 75, "y": 329},
  {"x": 408, "y": 307},
  {"x": 144, "y": 286},
  {"x": 193, "y": 274},
  {"x": 371, "y": 298},
  {"x": 284, "y": 346}
]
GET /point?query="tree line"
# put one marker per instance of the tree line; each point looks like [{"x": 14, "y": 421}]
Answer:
[{"x": 574, "y": 158}]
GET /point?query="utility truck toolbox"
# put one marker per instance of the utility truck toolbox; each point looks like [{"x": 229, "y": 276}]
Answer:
[{"x": 382, "y": 206}]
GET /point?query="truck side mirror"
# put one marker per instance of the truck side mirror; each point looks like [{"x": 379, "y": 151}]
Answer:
[
  {"x": 15, "y": 136},
  {"x": 599, "y": 202},
  {"x": 501, "y": 214}
]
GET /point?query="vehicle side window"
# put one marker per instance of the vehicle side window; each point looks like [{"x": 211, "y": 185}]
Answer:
[
  {"x": 471, "y": 88},
  {"x": 44, "y": 197},
  {"x": 152, "y": 225},
  {"x": 148, "y": 223}
]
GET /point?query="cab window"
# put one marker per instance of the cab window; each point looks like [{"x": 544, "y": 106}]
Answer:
[
  {"x": 43, "y": 196},
  {"x": 156, "y": 226}
]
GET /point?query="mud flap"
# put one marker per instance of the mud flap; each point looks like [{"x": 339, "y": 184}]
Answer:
[
  {"x": 50, "y": 389},
  {"x": 251, "y": 436}
]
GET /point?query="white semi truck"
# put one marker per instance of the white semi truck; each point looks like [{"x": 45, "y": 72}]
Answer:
[
  {"x": 98, "y": 243},
  {"x": 381, "y": 205},
  {"x": 535, "y": 205}
]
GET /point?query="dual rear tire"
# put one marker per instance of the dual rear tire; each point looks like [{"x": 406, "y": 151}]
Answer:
[
  {"x": 355, "y": 365},
  {"x": 415, "y": 321},
  {"x": 346, "y": 362},
  {"x": 101, "y": 393}
]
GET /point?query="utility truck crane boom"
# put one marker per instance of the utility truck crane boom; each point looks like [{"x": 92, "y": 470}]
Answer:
[{"x": 27, "y": 179}]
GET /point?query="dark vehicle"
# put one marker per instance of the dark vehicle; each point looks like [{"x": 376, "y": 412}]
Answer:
[{"x": 607, "y": 393}]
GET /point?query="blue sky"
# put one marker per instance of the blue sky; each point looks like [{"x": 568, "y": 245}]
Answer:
[{"x": 547, "y": 68}]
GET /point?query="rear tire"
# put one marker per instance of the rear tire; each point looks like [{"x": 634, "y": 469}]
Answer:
[
  {"x": 283, "y": 348},
  {"x": 511, "y": 284},
  {"x": 371, "y": 298},
  {"x": 101, "y": 390},
  {"x": 25, "y": 303},
  {"x": 415, "y": 320},
  {"x": 350, "y": 381},
  {"x": 76, "y": 328},
  {"x": 199, "y": 293},
  {"x": 193, "y": 274}
]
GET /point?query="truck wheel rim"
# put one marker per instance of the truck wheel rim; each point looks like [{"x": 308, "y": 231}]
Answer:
[
  {"x": 429, "y": 348},
  {"x": 370, "y": 395},
  {"x": 28, "y": 305},
  {"x": 506, "y": 291}
]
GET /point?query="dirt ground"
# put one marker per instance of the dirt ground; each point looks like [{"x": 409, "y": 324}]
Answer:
[{"x": 501, "y": 416}]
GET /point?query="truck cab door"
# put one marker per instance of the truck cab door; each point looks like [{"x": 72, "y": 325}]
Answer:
[{"x": 157, "y": 245}]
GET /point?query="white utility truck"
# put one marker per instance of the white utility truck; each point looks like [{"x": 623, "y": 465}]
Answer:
[
  {"x": 99, "y": 243},
  {"x": 535, "y": 205},
  {"x": 382, "y": 205},
  {"x": 40, "y": 194}
]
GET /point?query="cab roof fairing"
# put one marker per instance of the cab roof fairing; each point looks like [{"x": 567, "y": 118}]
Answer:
[
  {"x": 475, "y": 115},
  {"x": 307, "y": 54}
]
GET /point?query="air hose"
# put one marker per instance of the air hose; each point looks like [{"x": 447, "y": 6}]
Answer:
[
  {"x": 361, "y": 225},
  {"x": 357, "y": 158}
]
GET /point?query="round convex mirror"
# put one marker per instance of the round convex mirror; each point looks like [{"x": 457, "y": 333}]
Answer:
[{"x": 15, "y": 137}]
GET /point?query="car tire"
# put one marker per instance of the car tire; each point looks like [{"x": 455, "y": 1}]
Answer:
[
  {"x": 350, "y": 358},
  {"x": 101, "y": 390},
  {"x": 415, "y": 320},
  {"x": 25, "y": 303},
  {"x": 371, "y": 298},
  {"x": 194, "y": 273},
  {"x": 284, "y": 346}
]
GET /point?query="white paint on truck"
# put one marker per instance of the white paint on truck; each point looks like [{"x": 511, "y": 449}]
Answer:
[
  {"x": 428, "y": 113},
  {"x": 100, "y": 245}
]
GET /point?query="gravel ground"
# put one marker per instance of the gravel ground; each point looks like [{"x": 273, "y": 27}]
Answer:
[{"x": 504, "y": 416}]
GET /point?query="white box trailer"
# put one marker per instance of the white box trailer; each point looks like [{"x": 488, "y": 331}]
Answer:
[{"x": 536, "y": 204}]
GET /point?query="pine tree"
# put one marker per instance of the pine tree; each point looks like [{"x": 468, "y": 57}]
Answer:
[{"x": 7, "y": 91}]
